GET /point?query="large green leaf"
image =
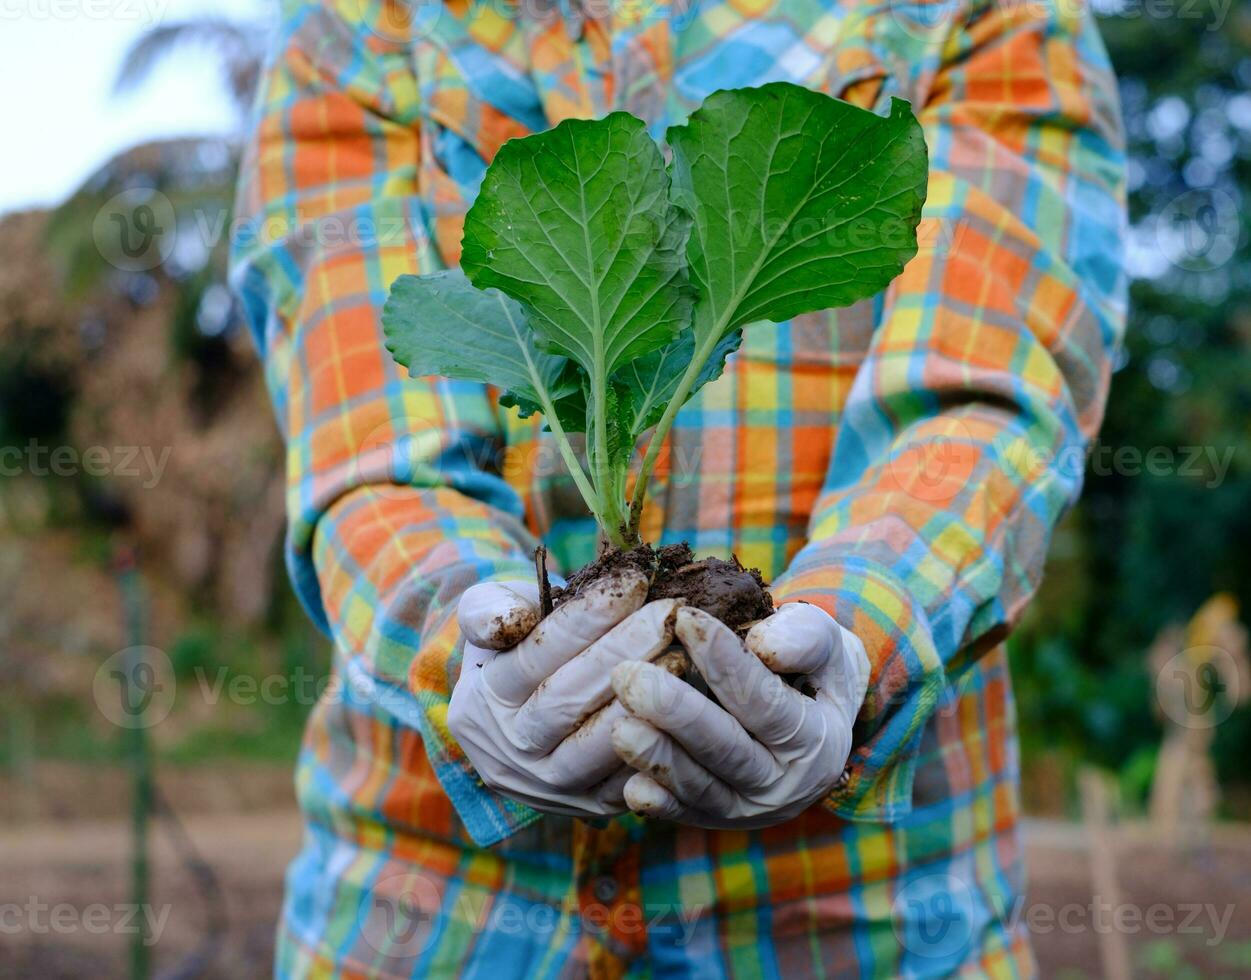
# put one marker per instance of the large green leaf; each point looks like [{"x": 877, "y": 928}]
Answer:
[
  {"x": 442, "y": 324},
  {"x": 576, "y": 224},
  {"x": 801, "y": 202}
]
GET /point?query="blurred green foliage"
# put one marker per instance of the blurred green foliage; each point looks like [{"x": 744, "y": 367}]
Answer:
[{"x": 1161, "y": 525}]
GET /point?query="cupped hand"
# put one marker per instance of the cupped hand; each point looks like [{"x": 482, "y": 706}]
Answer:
[
  {"x": 533, "y": 708},
  {"x": 770, "y": 748}
]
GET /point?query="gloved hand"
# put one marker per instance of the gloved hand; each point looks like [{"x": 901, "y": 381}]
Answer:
[
  {"x": 771, "y": 750},
  {"x": 535, "y": 720}
]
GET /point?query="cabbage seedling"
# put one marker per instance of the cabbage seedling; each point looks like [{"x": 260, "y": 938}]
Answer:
[{"x": 602, "y": 288}]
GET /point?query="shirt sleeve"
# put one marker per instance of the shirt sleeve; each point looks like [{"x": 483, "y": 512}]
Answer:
[
  {"x": 392, "y": 504},
  {"x": 964, "y": 436}
]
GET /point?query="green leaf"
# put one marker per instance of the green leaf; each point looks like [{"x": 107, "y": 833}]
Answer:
[
  {"x": 801, "y": 202},
  {"x": 568, "y": 397},
  {"x": 649, "y": 383},
  {"x": 441, "y": 324},
  {"x": 575, "y": 223}
]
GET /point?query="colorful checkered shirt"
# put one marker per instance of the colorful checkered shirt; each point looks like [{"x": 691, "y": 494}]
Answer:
[{"x": 901, "y": 463}]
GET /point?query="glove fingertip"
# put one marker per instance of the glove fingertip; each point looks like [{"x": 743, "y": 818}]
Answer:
[
  {"x": 646, "y": 796},
  {"x": 623, "y": 674},
  {"x": 493, "y": 616},
  {"x": 694, "y": 627},
  {"x": 797, "y": 639},
  {"x": 633, "y": 740}
]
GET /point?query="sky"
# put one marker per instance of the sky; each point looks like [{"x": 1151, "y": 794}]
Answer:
[{"x": 58, "y": 116}]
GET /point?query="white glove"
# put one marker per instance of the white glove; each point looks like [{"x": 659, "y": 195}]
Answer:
[
  {"x": 770, "y": 750},
  {"x": 535, "y": 721}
]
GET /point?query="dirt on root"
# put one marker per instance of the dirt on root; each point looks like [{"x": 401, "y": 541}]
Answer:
[{"x": 724, "y": 589}]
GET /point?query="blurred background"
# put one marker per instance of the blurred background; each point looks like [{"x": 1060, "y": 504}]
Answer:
[{"x": 141, "y": 515}]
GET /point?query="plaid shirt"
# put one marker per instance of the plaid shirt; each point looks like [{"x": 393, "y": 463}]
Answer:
[{"x": 900, "y": 463}]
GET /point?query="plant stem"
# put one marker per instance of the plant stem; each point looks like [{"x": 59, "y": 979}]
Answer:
[
  {"x": 630, "y": 537},
  {"x": 570, "y": 457},
  {"x": 680, "y": 394},
  {"x": 607, "y": 478},
  {"x": 562, "y": 441},
  {"x": 601, "y": 474}
]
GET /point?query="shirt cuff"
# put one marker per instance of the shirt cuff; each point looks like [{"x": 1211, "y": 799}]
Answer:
[
  {"x": 391, "y": 574},
  {"x": 905, "y": 681}
]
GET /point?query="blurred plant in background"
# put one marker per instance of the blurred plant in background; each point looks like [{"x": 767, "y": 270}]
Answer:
[
  {"x": 1154, "y": 536},
  {"x": 142, "y": 359}
]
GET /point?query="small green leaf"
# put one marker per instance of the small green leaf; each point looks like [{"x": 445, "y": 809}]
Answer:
[
  {"x": 649, "y": 383},
  {"x": 617, "y": 412},
  {"x": 442, "y": 324},
  {"x": 801, "y": 202},
  {"x": 575, "y": 223},
  {"x": 568, "y": 397}
]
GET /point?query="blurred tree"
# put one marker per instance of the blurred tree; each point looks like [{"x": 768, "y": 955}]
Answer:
[
  {"x": 237, "y": 47},
  {"x": 1166, "y": 514},
  {"x": 155, "y": 355}
]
